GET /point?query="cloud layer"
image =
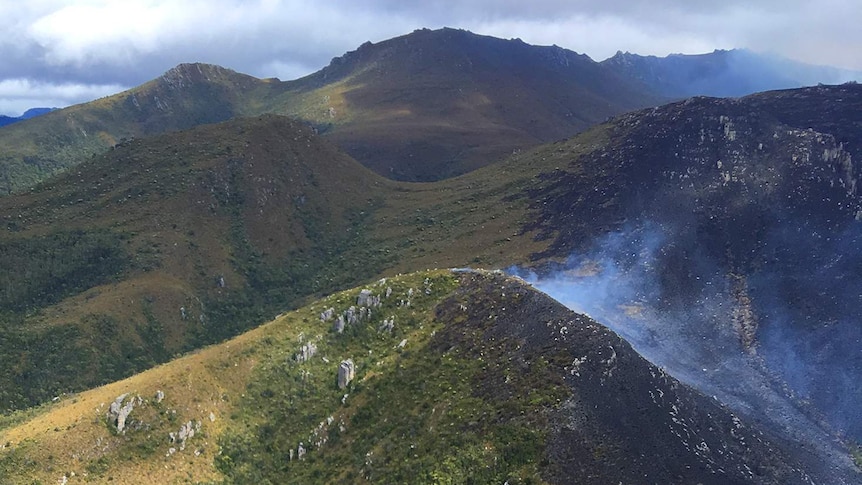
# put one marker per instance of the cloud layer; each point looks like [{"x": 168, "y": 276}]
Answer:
[{"x": 66, "y": 51}]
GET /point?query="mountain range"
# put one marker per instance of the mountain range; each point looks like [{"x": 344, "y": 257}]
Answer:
[
  {"x": 717, "y": 237},
  {"x": 30, "y": 113},
  {"x": 723, "y": 73},
  {"x": 425, "y": 106}
]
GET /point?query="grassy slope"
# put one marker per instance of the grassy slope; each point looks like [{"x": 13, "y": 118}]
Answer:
[
  {"x": 96, "y": 273},
  {"x": 264, "y": 402},
  {"x": 475, "y": 383},
  {"x": 483, "y": 218},
  {"x": 150, "y": 228},
  {"x": 185, "y": 96}
]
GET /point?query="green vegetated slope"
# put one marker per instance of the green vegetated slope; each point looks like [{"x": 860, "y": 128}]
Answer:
[
  {"x": 424, "y": 106},
  {"x": 167, "y": 243},
  {"x": 185, "y": 96},
  {"x": 459, "y": 377}
]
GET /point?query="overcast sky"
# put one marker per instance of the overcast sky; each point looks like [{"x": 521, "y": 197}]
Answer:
[{"x": 61, "y": 52}]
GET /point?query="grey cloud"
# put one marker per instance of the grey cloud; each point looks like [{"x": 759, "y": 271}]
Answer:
[{"x": 62, "y": 42}]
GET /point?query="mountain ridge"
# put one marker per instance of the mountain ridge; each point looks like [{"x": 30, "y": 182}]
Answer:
[
  {"x": 419, "y": 107},
  {"x": 499, "y": 398},
  {"x": 427, "y": 117},
  {"x": 30, "y": 113},
  {"x": 37, "y": 148},
  {"x": 508, "y": 95},
  {"x": 723, "y": 73}
]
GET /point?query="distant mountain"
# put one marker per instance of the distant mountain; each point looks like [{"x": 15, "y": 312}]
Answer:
[
  {"x": 30, "y": 113},
  {"x": 186, "y": 96},
  {"x": 420, "y": 107},
  {"x": 437, "y": 377},
  {"x": 433, "y": 104},
  {"x": 425, "y": 106},
  {"x": 34, "y": 112},
  {"x": 723, "y": 73}
]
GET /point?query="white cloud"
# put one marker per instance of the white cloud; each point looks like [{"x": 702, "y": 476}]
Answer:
[
  {"x": 100, "y": 30},
  {"x": 93, "y": 32},
  {"x": 599, "y": 37},
  {"x": 17, "y": 95}
]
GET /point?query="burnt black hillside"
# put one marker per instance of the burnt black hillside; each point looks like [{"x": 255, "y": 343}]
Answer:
[{"x": 739, "y": 221}]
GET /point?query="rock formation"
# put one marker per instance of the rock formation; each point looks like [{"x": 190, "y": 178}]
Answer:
[
  {"x": 387, "y": 326},
  {"x": 346, "y": 373},
  {"x": 306, "y": 352},
  {"x": 120, "y": 409}
]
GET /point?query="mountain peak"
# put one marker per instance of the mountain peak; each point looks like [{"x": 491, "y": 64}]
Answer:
[
  {"x": 187, "y": 74},
  {"x": 454, "y": 80}
]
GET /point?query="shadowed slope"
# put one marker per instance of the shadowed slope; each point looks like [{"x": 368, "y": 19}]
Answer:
[
  {"x": 736, "y": 224},
  {"x": 736, "y": 72},
  {"x": 433, "y": 104}
]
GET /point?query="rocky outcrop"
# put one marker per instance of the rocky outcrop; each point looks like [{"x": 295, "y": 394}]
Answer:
[
  {"x": 118, "y": 412},
  {"x": 367, "y": 299},
  {"x": 187, "y": 431},
  {"x": 339, "y": 324},
  {"x": 300, "y": 451},
  {"x": 306, "y": 352},
  {"x": 326, "y": 315},
  {"x": 346, "y": 373},
  {"x": 387, "y": 326},
  {"x": 366, "y": 304},
  {"x": 743, "y": 317}
]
